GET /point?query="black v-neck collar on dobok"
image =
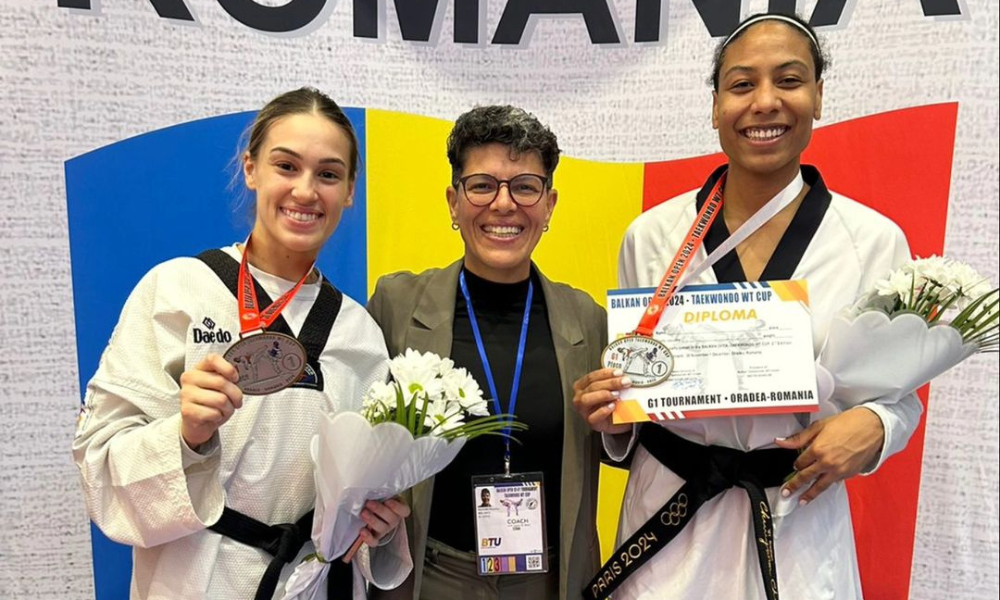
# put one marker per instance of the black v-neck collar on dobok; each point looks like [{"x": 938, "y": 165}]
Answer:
[
  {"x": 319, "y": 322},
  {"x": 793, "y": 243}
]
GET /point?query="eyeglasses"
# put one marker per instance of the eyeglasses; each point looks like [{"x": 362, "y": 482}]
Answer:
[{"x": 481, "y": 189}]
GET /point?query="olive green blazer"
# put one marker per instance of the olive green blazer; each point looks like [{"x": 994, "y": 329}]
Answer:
[{"x": 417, "y": 311}]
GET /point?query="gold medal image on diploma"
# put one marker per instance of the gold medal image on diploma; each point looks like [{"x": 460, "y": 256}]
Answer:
[{"x": 267, "y": 361}]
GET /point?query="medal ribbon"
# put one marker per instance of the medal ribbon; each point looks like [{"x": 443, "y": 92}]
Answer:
[
  {"x": 675, "y": 277},
  {"x": 251, "y": 318},
  {"x": 518, "y": 363}
]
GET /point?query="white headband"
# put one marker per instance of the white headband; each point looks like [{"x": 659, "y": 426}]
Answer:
[{"x": 782, "y": 18}]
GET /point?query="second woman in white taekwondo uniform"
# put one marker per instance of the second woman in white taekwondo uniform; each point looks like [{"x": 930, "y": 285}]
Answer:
[
  {"x": 768, "y": 90},
  {"x": 173, "y": 458}
]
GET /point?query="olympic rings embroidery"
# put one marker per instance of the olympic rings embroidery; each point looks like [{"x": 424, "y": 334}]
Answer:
[{"x": 675, "y": 511}]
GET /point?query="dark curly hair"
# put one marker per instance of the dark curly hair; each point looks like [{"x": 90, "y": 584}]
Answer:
[{"x": 513, "y": 127}]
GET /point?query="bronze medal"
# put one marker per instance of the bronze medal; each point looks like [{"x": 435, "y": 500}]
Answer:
[{"x": 267, "y": 362}]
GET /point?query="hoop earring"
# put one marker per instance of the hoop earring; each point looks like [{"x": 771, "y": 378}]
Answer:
[
  {"x": 454, "y": 226},
  {"x": 545, "y": 229}
]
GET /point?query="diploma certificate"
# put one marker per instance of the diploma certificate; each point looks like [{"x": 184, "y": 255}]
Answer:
[{"x": 738, "y": 349}]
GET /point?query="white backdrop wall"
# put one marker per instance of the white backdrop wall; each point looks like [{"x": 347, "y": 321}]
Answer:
[{"x": 72, "y": 80}]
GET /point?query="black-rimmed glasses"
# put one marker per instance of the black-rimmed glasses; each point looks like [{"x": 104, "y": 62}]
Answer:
[{"x": 481, "y": 189}]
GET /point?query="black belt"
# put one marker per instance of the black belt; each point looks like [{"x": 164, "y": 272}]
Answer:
[
  {"x": 707, "y": 471},
  {"x": 283, "y": 542}
]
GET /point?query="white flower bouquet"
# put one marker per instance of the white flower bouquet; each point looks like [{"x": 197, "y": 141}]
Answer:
[
  {"x": 410, "y": 428},
  {"x": 921, "y": 320}
]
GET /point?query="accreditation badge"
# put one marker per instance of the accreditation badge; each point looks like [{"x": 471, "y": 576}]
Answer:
[{"x": 510, "y": 524}]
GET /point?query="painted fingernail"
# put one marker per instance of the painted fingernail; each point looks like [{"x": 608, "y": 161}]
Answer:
[
  {"x": 626, "y": 382},
  {"x": 785, "y": 493},
  {"x": 780, "y": 439},
  {"x": 611, "y": 406},
  {"x": 618, "y": 373},
  {"x": 615, "y": 394},
  {"x": 803, "y": 502}
]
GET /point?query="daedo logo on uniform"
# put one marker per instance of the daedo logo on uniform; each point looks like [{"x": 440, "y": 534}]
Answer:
[{"x": 211, "y": 336}]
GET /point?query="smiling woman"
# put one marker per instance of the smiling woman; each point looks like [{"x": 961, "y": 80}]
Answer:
[
  {"x": 501, "y": 228},
  {"x": 768, "y": 90},
  {"x": 494, "y": 313},
  {"x": 304, "y": 179},
  {"x": 196, "y": 450}
]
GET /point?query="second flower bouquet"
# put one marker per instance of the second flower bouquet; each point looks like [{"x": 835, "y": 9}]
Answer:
[{"x": 410, "y": 429}]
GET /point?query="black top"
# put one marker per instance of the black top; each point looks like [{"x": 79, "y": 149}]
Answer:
[
  {"x": 793, "y": 243},
  {"x": 499, "y": 310}
]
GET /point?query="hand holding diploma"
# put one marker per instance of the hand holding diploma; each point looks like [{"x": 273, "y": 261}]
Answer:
[{"x": 594, "y": 397}]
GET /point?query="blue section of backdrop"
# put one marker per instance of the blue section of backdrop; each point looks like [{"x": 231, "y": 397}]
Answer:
[{"x": 147, "y": 199}]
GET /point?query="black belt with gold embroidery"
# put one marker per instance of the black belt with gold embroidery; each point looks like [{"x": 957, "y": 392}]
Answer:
[{"x": 707, "y": 471}]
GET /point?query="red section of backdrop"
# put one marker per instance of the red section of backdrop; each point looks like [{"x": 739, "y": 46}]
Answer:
[{"x": 898, "y": 163}]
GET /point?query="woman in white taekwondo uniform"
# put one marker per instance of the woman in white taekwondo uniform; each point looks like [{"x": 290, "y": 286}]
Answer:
[
  {"x": 768, "y": 90},
  {"x": 203, "y": 467}
]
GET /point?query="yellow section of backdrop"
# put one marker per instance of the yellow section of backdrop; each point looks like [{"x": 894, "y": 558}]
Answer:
[{"x": 409, "y": 227}]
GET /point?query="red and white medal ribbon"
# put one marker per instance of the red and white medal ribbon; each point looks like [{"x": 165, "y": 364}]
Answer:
[
  {"x": 267, "y": 362},
  {"x": 654, "y": 360}
]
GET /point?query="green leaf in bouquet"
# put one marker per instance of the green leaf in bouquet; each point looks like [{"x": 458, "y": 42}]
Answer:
[
  {"x": 978, "y": 322},
  {"x": 418, "y": 427},
  {"x": 928, "y": 300},
  {"x": 400, "y": 406},
  {"x": 411, "y": 412},
  {"x": 944, "y": 306},
  {"x": 488, "y": 425}
]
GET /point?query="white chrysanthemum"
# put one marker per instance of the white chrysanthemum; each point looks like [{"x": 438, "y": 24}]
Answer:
[
  {"x": 452, "y": 397},
  {"x": 443, "y": 415},
  {"x": 445, "y": 366},
  {"x": 967, "y": 283},
  {"x": 963, "y": 278},
  {"x": 899, "y": 283},
  {"x": 464, "y": 389},
  {"x": 478, "y": 408},
  {"x": 933, "y": 268},
  {"x": 416, "y": 374},
  {"x": 380, "y": 394}
]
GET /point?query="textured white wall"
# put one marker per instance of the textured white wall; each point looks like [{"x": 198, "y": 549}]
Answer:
[{"x": 72, "y": 81}]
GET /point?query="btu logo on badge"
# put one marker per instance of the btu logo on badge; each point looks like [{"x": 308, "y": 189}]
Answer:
[{"x": 491, "y": 542}]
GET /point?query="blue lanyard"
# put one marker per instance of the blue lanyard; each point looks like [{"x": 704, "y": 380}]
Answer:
[{"x": 518, "y": 364}]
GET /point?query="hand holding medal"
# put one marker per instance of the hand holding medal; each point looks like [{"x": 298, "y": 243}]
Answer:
[
  {"x": 594, "y": 397},
  {"x": 267, "y": 362},
  {"x": 209, "y": 396},
  {"x": 638, "y": 359}
]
